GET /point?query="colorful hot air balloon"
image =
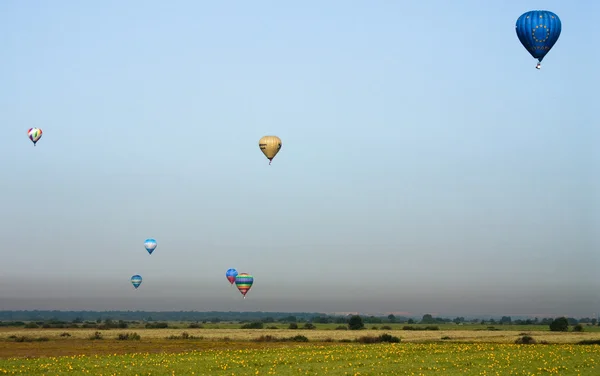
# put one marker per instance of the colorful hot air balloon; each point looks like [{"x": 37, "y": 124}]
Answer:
[
  {"x": 136, "y": 281},
  {"x": 150, "y": 245},
  {"x": 244, "y": 282},
  {"x": 34, "y": 135},
  {"x": 270, "y": 146},
  {"x": 538, "y": 31},
  {"x": 231, "y": 274}
]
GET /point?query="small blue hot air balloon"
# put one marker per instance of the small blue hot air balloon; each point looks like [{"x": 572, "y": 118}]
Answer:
[
  {"x": 231, "y": 274},
  {"x": 136, "y": 281},
  {"x": 150, "y": 245},
  {"x": 538, "y": 31}
]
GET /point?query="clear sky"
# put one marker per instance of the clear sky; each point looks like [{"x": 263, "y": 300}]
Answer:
[{"x": 426, "y": 166}]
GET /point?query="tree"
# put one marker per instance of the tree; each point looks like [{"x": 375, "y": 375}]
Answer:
[
  {"x": 560, "y": 324},
  {"x": 594, "y": 321},
  {"x": 355, "y": 323},
  {"x": 411, "y": 321},
  {"x": 427, "y": 319},
  {"x": 391, "y": 318}
]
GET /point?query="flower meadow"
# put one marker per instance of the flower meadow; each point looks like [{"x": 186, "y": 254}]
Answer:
[{"x": 346, "y": 359}]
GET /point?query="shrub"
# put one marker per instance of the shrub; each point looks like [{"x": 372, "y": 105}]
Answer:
[
  {"x": 525, "y": 340},
  {"x": 267, "y": 338},
  {"x": 253, "y": 325},
  {"x": 382, "y": 338},
  {"x": 157, "y": 325},
  {"x": 386, "y": 327},
  {"x": 184, "y": 335},
  {"x": 560, "y": 324},
  {"x": 298, "y": 338},
  {"x": 309, "y": 325},
  {"x": 31, "y": 325},
  {"x": 96, "y": 335},
  {"x": 129, "y": 337},
  {"x": 272, "y": 327},
  {"x": 578, "y": 328},
  {"x": 65, "y": 334},
  {"x": 355, "y": 323},
  {"x": 589, "y": 342},
  {"x": 446, "y": 337},
  {"x": 341, "y": 327},
  {"x": 293, "y": 325},
  {"x": 195, "y": 325},
  {"x": 428, "y": 327}
]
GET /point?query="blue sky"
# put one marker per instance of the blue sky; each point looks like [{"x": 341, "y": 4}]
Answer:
[{"x": 426, "y": 166}]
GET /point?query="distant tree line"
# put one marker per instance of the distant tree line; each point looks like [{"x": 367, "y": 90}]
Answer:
[{"x": 116, "y": 318}]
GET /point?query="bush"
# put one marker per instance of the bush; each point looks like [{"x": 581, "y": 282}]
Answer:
[
  {"x": 525, "y": 340},
  {"x": 31, "y": 325},
  {"x": 355, "y": 323},
  {"x": 446, "y": 337},
  {"x": 65, "y": 334},
  {"x": 253, "y": 325},
  {"x": 195, "y": 325},
  {"x": 560, "y": 324},
  {"x": 589, "y": 342},
  {"x": 382, "y": 338},
  {"x": 267, "y": 338},
  {"x": 184, "y": 335},
  {"x": 386, "y": 327},
  {"x": 578, "y": 328},
  {"x": 157, "y": 325},
  {"x": 428, "y": 327},
  {"x": 298, "y": 338},
  {"x": 96, "y": 335},
  {"x": 129, "y": 337},
  {"x": 309, "y": 325},
  {"x": 293, "y": 325},
  {"x": 341, "y": 327}
]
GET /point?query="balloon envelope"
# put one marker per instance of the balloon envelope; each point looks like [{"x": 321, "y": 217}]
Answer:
[
  {"x": 34, "y": 135},
  {"x": 538, "y": 31},
  {"x": 136, "y": 281},
  {"x": 244, "y": 282},
  {"x": 270, "y": 146},
  {"x": 231, "y": 274},
  {"x": 150, "y": 245}
]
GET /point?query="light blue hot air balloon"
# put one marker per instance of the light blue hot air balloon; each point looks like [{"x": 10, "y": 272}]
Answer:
[
  {"x": 538, "y": 31},
  {"x": 136, "y": 281},
  {"x": 150, "y": 245}
]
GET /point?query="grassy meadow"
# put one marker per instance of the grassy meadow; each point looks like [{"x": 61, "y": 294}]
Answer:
[{"x": 226, "y": 349}]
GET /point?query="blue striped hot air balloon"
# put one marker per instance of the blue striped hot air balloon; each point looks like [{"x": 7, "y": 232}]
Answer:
[
  {"x": 136, "y": 281},
  {"x": 538, "y": 31},
  {"x": 150, "y": 245}
]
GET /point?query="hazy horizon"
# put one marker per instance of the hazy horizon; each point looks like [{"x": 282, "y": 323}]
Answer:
[{"x": 426, "y": 166}]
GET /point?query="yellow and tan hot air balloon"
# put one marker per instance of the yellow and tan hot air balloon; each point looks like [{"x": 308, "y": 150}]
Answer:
[{"x": 270, "y": 146}]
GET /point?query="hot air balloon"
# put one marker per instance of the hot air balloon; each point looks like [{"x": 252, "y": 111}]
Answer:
[
  {"x": 136, "y": 281},
  {"x": 270, "y": 146},
  {"x": 34, "y": 135},
  {"x": 538, "y": 31},
  {"x": 244, "y": 282},
  {"x": 231, "y": 274},
  {"x": 150, "y": 245}
]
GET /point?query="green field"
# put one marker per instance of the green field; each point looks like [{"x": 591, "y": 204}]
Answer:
[{"x": 337, "y": 359}]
